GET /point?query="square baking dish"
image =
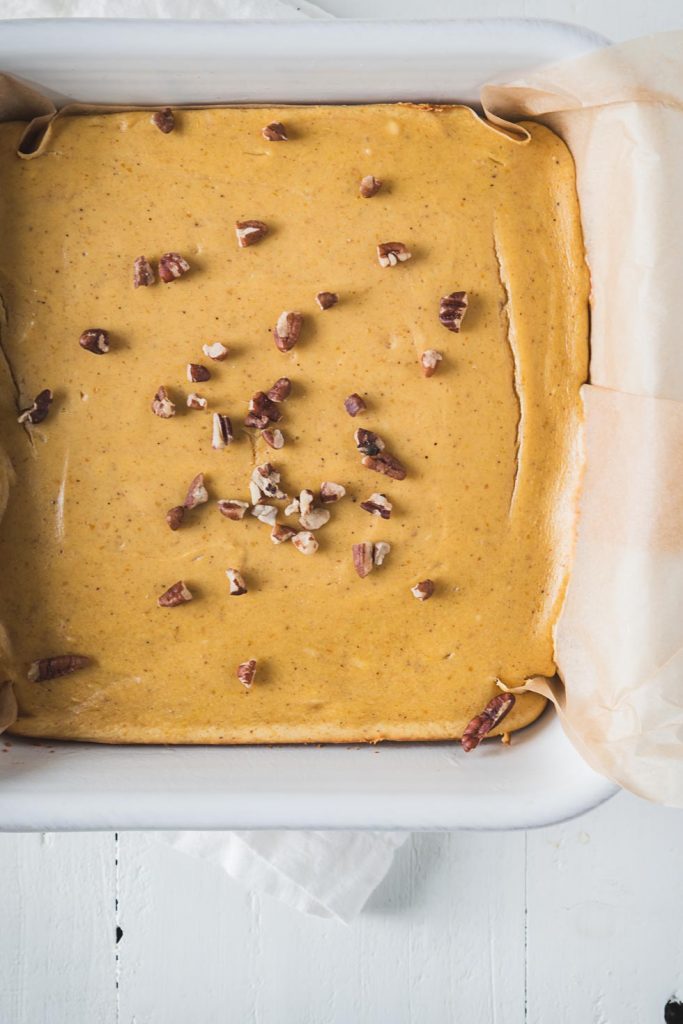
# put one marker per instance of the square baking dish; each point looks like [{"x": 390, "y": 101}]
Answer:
[{"x": 51, "y": 786}]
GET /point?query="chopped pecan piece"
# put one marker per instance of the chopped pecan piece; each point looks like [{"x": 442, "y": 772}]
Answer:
[
  {"x": 232, "y": 509},
  {"x": 274, "y": 438},
  {"x": 197, "y": 493},
  {"x": 249, "y": 232},
  {"x": 423, "y": 590},
  {"x": 287, "y": 330},
  {"x": 293, "y": 508},
  {"x": 378, "y": 505},
  {"x": 266, "y": 479},
  {"x": 95, "y": 340},
  {"x": 314, "y": 518},
  {"x": 196, "y": 373},
  {"x": 274, "y": 132},
  {"x": 380, "y": 550},
  {"x": 369, "y": 186},
  {"x": 390, "y": 254},
  {"x": 162, "y": 404},
  {"x": 246, "y": 672},
  {"x": 38, "y": 410},
  {"x": 354, "y": 404},
  {"x": 259, "y": 422},
  {"x": 262, "y": 406},
  {"x": 385, "y": 463},
  {"x": 175, "y": 595},
  {"x": 305, "y": 542},
  {"x": 222, "y": 434},
  {"x": 330, "y": 492},
  {"x": 306, "y": 499},
  {"x": 362, "y": 558},
  {"x": 236, "y": 582},
  {"x": 175, "y": 516},
  {"x": 429, "y": 361},
  {"x": 44, "y": 669},
  {"x": 265, "y": 514},
  {"x": 368, "y": 442},
  {"x": 143, "y": 274},
  {"x": 172, "y": 266},
  {"x": 327, "y": 299},
  {"x": 281, "y": 390},
  {"x": 281, "y": 533},
  {"x": 452, "y": 309},
  {"x": 216, "y": 351},
  {"x": 195, "y": 401},
  {"x": 482, "y": 724},
  {"x": 163, "y": 120}
]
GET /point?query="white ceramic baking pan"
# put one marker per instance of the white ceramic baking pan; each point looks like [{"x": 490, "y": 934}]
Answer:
[{"x": 538, "y": 780}]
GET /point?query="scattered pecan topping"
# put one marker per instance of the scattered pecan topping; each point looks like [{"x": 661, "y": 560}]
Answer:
[
  {"x": 274, "y": 132},
  {"x": 266, "y": 479},
  {"x": 368, "y": 442},
  {"x": 369, "y": 186},
  {"x": 216, "y": 351},
  {"x": 38, "y": 410},
  {"x": 390, "y": 254},
  {"x": 482, "y": 724},
  {"x": 175, "y": 516},
  {"x": 327, "y": 299},
  {"x": 236, "y": 582},
  {"x": 305, "y": 542},
  {"x": 162, "y": 404},
  {"x": 378, "y": 505},
  {"x": 380, "y": 551},
  {"x": 222, "y": 434},
  {"x": 175, "y": 595},
  {"x": 196, "y": 373},
  {"x": 281, "y": 390},
  {"x": 293, "y": 508},
  {"x": 385, "y": 463},
  {"x": 95, "y": 340},
  {"x": 172, "y": 266},
  {"x": 306, "y": 499},
  {"x": 265, "y": 514},
  {"x": 195, "y": 401},
  {"x": 163, "y": 120},
  {"x": 246, "y": 672},
  {"x": 429, "y": 361},
  {"x": 287, "y": 330},
  {"x": 262, "y": 406},
  {"x": 354, "y": 404},
  {"x": 259, "y": 422},
  {"x": 52, "y": 668},
  {"x": 274, "y": 438},
  {"x": 423, "y": 590},
  {"x": 362, "y": 558},
  {"x": 314, "y": 518},
  {"x": 281, "y": 533},
  {"x": 330, "y": 492},
  {"x": 197, "y": 493},
  {"x": 249, "y": 232},
  {"x": 452, "y": 309},
  {"x": 143, "y": 274},
  {"x": 232, "y": 509}
]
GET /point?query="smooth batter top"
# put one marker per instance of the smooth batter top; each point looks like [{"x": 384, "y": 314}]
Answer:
[{"x": 490, "y": 442}]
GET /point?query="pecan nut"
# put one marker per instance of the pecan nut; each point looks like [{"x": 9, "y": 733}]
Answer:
[
  {"x": 179, "y": 593},
  {"x": 195, "y": 401},
  {"x": 232, "y": 509},
  {"x": 163, "y": 120},
  {"x": 452, "y": 309},
  {"x": 175, "y": 516},
  {"x": 482, "y": 724},
  {"x": 196, "y": 373},
  {"x": 287, "y": 330},
  {"x": 380, "y": 550},
  {"x": 423, "y": 590},
  {"x": 305, "y": 542},
  {"x": 429, "y": 361},
  {"x": 362, "y": 558},
  {"x": 236, "y": 582},
  {"x": 265, "y": 514},
  {"x": 249, "y": 232},
  {"x": 368, "y": 442},
  {"x": 246, "y": 673},
  {"x": 274, "y": 438},
  {"x": 260, "y": 407},
  {"x": 197, "y": 493},
  {"x": 354, "y": 404},
  {"x": 44, "y": 669},
  {"x": 95, "y": 340},
  {"x": 390, "y": 254},
  {"x": 172, "y": 266},
  {"x": 274, "y": 132},
  {"x": 162, "y": 404},
  {"x": 281, "y": 533},
  {"x": 377, "y": 505},
  {"x": 38, "y": 410},
  {"x": 326, "y": 300},
  {"x": 385, "y": 463},
  {"x": 222, "y": 434},
  {"x": 216, "y": 351},
  {"x": 143, "y": 274},
  {"x": 369, "y": 186},
  {"x": 331, "y": 492},
  {"x": 281, "y": 390}
]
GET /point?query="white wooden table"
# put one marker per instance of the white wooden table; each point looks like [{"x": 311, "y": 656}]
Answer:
[{"x": 579, "y": 923}]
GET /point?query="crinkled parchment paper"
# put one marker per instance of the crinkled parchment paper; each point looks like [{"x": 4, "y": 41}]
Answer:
[{"x": 619, "y": 640}]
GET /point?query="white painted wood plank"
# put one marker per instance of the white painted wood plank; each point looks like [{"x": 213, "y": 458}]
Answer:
[
  {"x": 605, "y": 932},
  {"x": 442, "y": 939},
  {"x": 57, "y": 940}
]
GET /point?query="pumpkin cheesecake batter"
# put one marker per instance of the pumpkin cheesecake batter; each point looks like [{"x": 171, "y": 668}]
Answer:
[{"x": 488, "y": 435}]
